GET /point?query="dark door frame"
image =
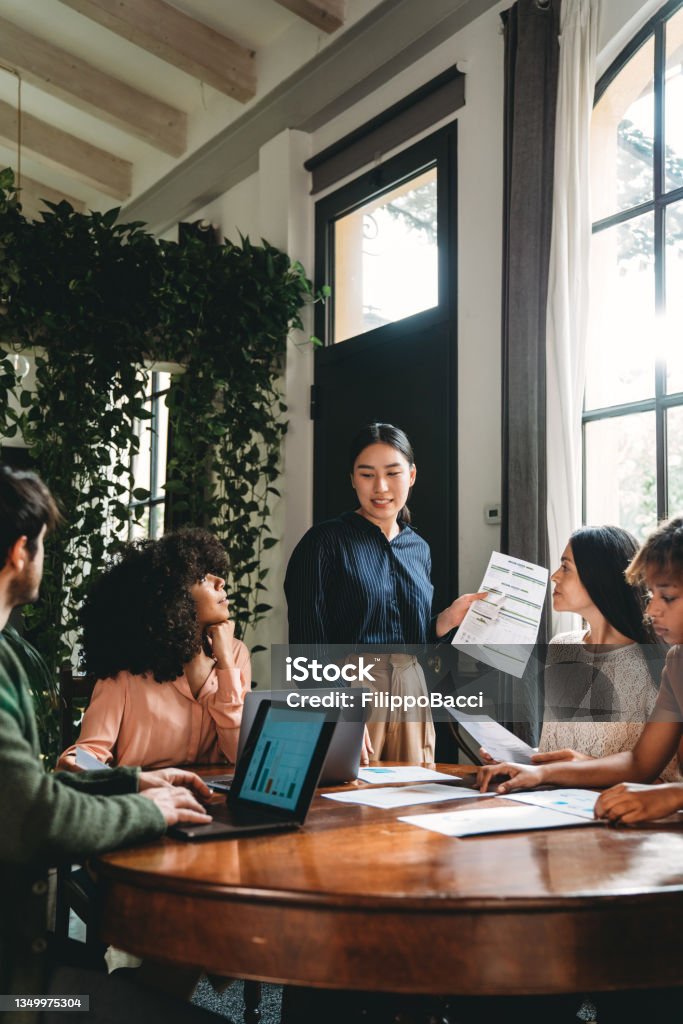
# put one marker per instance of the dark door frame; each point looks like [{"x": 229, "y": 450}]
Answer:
[{"x": 438, "y": 149}]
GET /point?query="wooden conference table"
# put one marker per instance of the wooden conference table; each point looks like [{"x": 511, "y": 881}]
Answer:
[{"x": 360, "y": 900}]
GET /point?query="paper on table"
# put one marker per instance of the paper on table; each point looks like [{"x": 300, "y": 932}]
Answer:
[
  {"x": 404, "y": 773},
  {"x": 89, "y": 763},
  {"x": 494, "y": 819},
  {"x": 404, "y": 796},
  {"x": 579, "y": 802},
  {"x": 501, "y": 629},
  {"x": 474, "y": 730}
]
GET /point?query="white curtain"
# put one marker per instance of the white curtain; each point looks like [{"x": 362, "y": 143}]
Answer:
[{"x": 567, "y": 311}]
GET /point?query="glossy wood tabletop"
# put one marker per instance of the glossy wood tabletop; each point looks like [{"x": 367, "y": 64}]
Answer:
[{"x": 358, "y": 899}]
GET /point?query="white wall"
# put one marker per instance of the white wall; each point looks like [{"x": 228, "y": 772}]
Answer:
[
  {"x": 275, "y": 203},
  {"x": 236, "y": 211}
]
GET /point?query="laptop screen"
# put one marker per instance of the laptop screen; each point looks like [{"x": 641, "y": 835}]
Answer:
[{"x": 281, "y": 757}]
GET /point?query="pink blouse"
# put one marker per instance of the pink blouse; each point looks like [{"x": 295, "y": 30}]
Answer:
[{"x": 133, "y": 720}]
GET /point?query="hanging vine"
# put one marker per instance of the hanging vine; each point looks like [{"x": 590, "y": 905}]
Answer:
[{"x": 94, "y": 301}]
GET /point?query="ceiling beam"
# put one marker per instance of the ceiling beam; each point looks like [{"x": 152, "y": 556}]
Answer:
[
  {"x": 79, "y": 159},
  {"x": 86, "y": 87},
  {"x": 354, "y": 65},
  {"x": 325, "y": 14},
  {"x": 178, "y": 39},
  {"x": 33, "y": 194}
]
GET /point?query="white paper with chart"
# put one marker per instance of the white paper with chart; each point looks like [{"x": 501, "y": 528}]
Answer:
[{"x": 501, "y": 629}]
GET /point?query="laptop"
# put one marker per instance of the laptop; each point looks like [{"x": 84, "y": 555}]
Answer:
[
  {"x": 475, "y": 731},
  {"x": 343, "y": 757},
  {"x": 275, "y": 778}
]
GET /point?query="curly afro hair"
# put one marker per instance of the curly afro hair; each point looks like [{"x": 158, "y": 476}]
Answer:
[{"x": 140, "y": 616}]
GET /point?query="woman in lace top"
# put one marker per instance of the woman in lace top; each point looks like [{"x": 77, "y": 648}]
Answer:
[{"x": 601, "y": 681}]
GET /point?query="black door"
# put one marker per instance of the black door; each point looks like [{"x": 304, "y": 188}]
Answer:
[
  {"x": 407, "y": 383},
  {"x": 402, "y": 372}
]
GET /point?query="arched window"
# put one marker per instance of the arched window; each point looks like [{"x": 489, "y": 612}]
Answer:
[{"x": 633, "y": 412}]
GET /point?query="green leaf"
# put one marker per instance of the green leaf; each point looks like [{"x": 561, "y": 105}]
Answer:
[
  {"x": 99, "y": 298},
  {"x": 111, "y": 216}
]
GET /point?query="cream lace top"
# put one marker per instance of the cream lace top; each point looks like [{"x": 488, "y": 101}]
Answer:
[{"x": 597, "y": 702}]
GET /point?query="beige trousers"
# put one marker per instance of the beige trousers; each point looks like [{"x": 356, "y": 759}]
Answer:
[{"x": 397, "y": 735}]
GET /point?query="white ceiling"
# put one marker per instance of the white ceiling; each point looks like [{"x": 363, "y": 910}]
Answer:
[{"x": 282, "y": 42}]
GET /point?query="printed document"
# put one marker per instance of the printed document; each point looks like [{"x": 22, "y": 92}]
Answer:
[
  {"x": 501, "y": 629},
  {"x": 580, "y": 802},
  {"x": 501, "y": 818},
  {"x": 404, "y": 796},
  {"x": 404, "y": 773},
  {"x": 89, "y": 763}
]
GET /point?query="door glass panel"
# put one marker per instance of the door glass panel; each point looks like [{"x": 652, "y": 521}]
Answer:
[
  {"x": 673, "y": 103},
  {"x": 622, "y": 330},
  {"x": 386, "y": 258},
  {"x": 621, "y": 486},
  {"x": 622, "y": 129}
]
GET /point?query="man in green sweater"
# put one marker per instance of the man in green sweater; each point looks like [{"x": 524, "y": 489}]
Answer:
[{"x": 48, "y": 818}]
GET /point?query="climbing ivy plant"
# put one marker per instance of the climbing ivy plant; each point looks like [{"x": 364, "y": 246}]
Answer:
[{"x": 95, "y": 302}]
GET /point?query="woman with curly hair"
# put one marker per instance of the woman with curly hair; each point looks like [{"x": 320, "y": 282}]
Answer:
[{"x": 159, "y": 639}]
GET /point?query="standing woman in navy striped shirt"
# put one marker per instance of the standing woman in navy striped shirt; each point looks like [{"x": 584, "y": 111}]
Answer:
[{"x": 364, "y": 578}]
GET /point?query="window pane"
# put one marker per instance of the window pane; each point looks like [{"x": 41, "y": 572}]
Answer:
[
  {"x": 674, "y": 431},
  {"x": 385, "y": 258},
  {"x": 621, "y": 485},
  {"x": 161, "y": 428},
  {"x": 621, "y": 138},
  {"x": 156, "y": 521},
  {"x": 142, "y": 461},
  {"x": 139, "y": 524},
  {"x": 673, "y": 98},
  {"x": 622, "y": 328},
  {"x": 673, "y": 322}
]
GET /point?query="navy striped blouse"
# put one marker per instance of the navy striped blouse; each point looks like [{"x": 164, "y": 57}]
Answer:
[{"x": 346, "y": 583}]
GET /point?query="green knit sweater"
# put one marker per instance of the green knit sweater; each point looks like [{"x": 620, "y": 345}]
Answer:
[{"x": 48, "y": 819}]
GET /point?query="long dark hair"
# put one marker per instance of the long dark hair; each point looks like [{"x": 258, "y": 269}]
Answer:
[
  {"x": 601, "y": 555},
  {"x": 384, "y": 433}
]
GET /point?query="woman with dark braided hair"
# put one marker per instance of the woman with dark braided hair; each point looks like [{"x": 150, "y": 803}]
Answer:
[{"x": 159, "y": 639}]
